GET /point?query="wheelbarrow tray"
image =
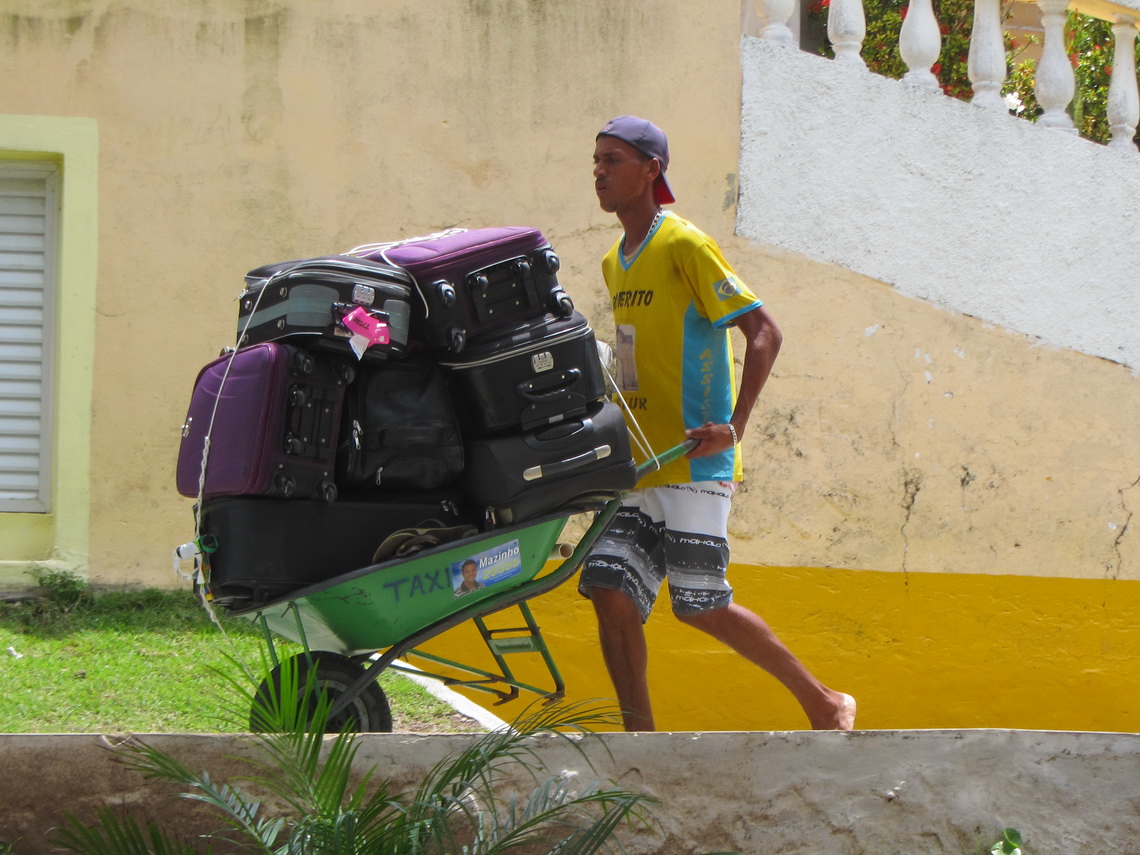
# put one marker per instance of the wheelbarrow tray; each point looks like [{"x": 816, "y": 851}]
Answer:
[{"x": 378, "y": 606}]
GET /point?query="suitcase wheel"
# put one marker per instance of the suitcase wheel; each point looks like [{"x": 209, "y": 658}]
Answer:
[
  {"x": 562, "y": 303},
  {"x": 293, "y": 445},
  {"x": 520, "y": 269},
  {"x": 303, "y": 363},
  {"x": 326, "y": 490},
  {"x": 551, "y": 261},
  {"x": 445, "y": 293},
  {"x": 285, "y": 484},
  {"x": 297, "y": 397},
  {"x": 456, "y": 339},
  {"x": 345, "y": 372}
]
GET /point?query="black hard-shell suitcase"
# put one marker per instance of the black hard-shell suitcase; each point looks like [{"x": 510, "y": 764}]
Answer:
[
  {"x": 399, "y": 430},
  {"x": 312, "y": 301},
  {"x": 577, "y": 464},
  {"x": 533, "y": 373},
  {"x": 272, "y": 414},
  {"x": 478, "y": 280},
  {"x": 263, "y": 548}
]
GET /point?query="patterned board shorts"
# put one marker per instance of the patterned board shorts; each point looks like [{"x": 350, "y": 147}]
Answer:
[{"x": 677, "y": 532}]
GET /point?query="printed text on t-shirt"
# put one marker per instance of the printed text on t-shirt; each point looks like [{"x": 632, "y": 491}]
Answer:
[{"x": 623, "y": 299}]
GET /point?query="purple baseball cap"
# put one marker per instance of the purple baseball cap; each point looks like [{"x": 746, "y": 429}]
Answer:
[{"x": 650, "y": 140}]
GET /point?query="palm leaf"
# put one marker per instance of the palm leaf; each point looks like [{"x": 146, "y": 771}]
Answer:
[{"x": 117, "y": 835}]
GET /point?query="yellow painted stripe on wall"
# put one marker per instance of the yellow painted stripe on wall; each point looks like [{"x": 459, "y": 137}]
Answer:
[{"x": 918, "y": 650}]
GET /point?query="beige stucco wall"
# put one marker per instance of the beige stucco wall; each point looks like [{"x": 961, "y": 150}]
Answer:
[
  {"x": 898, "y": 436},
  {"x": 235, "y": 134}
]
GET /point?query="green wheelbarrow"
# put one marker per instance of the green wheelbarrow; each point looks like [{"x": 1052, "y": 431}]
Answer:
[{"x": 355, "y": 626}]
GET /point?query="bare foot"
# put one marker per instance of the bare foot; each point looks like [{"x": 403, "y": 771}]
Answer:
[{"x": 843, "y": 717}]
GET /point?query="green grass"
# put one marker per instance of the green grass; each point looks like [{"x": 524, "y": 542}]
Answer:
[{"x": 74, "y": 661}]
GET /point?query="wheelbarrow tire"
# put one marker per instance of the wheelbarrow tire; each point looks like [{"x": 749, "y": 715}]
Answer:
[{"x": 368, "y": 712}]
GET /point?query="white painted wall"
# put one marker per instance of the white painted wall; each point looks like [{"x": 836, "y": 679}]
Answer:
[{"x": 979, "y": 213}]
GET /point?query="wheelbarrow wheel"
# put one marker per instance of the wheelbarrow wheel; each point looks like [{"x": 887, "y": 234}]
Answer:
[{"x": 368, "y": 712}]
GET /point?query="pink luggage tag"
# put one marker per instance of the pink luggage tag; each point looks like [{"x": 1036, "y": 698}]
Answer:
[{"x": 367, "y": 329}]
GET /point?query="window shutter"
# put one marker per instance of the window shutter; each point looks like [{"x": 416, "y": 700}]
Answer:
[{"x": 27, "y": 238}]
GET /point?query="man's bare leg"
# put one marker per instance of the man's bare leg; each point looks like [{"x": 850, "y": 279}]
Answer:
[
  {"x": 747, "y": 633},
  {"x": 626, "y": 655}
]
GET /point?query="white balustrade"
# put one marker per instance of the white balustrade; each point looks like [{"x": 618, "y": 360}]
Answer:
[
  {"x": 846, "y": 29},
  {"x": 1123, "y": 94},
  {"x": 1055, "y": 84},
  {"x": 773, "y": 20},
  {"x": 986, "y": 63},
  {"x": 920, "y": 42}
]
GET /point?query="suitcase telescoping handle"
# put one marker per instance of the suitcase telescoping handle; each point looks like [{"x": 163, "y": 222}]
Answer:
[
  {"x": 560, "y": 467},
  {"x": 551, "y": 386}
]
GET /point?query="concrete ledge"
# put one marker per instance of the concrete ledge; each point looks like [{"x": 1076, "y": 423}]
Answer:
[{"x": 881, "y": 792}]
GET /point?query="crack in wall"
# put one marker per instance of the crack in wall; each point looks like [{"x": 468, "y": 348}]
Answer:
[
  {"x": 912, "y": 483},
  {"x": 1128, "y": 512}
]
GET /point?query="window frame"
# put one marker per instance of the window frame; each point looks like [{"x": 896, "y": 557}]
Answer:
[
  {"x": 59, "y": 540},
  {"x": 48, "y": 171}
]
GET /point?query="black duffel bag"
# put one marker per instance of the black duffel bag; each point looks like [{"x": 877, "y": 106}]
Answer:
[{"x": 399, "y": 430}]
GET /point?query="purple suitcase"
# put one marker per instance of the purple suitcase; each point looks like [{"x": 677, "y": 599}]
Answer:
[
  {"x": 477, "y": 280},
  {"x": 275, "y": 412}
]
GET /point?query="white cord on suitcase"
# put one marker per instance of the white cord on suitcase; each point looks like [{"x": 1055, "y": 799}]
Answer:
[
  {"x": 381, "y": 249},
  {"x": 193, "y": 549},
  {"x": 384, "y": 246}
]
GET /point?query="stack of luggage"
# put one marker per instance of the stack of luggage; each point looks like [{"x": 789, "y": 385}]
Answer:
[{"x": 445, "y": 381}]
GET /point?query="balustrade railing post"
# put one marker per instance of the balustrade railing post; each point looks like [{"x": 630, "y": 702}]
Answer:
[
  {"x": 986, "y": 63},
  {"x": 1055, "y": 85},
  {"x": 1123, "y": 93},
  {"x": 846, "y": 29},
  {"x": 920, "y": 42},
  {"x": 773, "y": 15}
]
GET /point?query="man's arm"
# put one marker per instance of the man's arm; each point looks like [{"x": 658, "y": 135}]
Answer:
[{"x": 762, "y": 340}]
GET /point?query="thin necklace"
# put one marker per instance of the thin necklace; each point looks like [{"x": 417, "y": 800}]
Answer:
[{"x": 652, "y": 226}]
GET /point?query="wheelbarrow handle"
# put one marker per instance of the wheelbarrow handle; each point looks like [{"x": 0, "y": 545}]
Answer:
[{"x": 665, "y": 457}]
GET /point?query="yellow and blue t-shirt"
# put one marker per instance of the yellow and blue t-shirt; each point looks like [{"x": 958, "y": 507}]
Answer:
[{"x": 673, "y": 303}]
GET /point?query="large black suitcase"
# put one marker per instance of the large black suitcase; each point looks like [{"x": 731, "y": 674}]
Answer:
[
  {"x": 399, "y": 430},
  {"x": 272, "y": 415},
  {"x": 264, "y": 548},
  {"x": 478, "y": 280},
  {"x": 308, "y": 301},
  {"x": 577, "y": 464},
  {"x": 533, "y": 373}
]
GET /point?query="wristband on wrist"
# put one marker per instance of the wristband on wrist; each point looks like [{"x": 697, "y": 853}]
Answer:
[{"x": 732, "y": 430}]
